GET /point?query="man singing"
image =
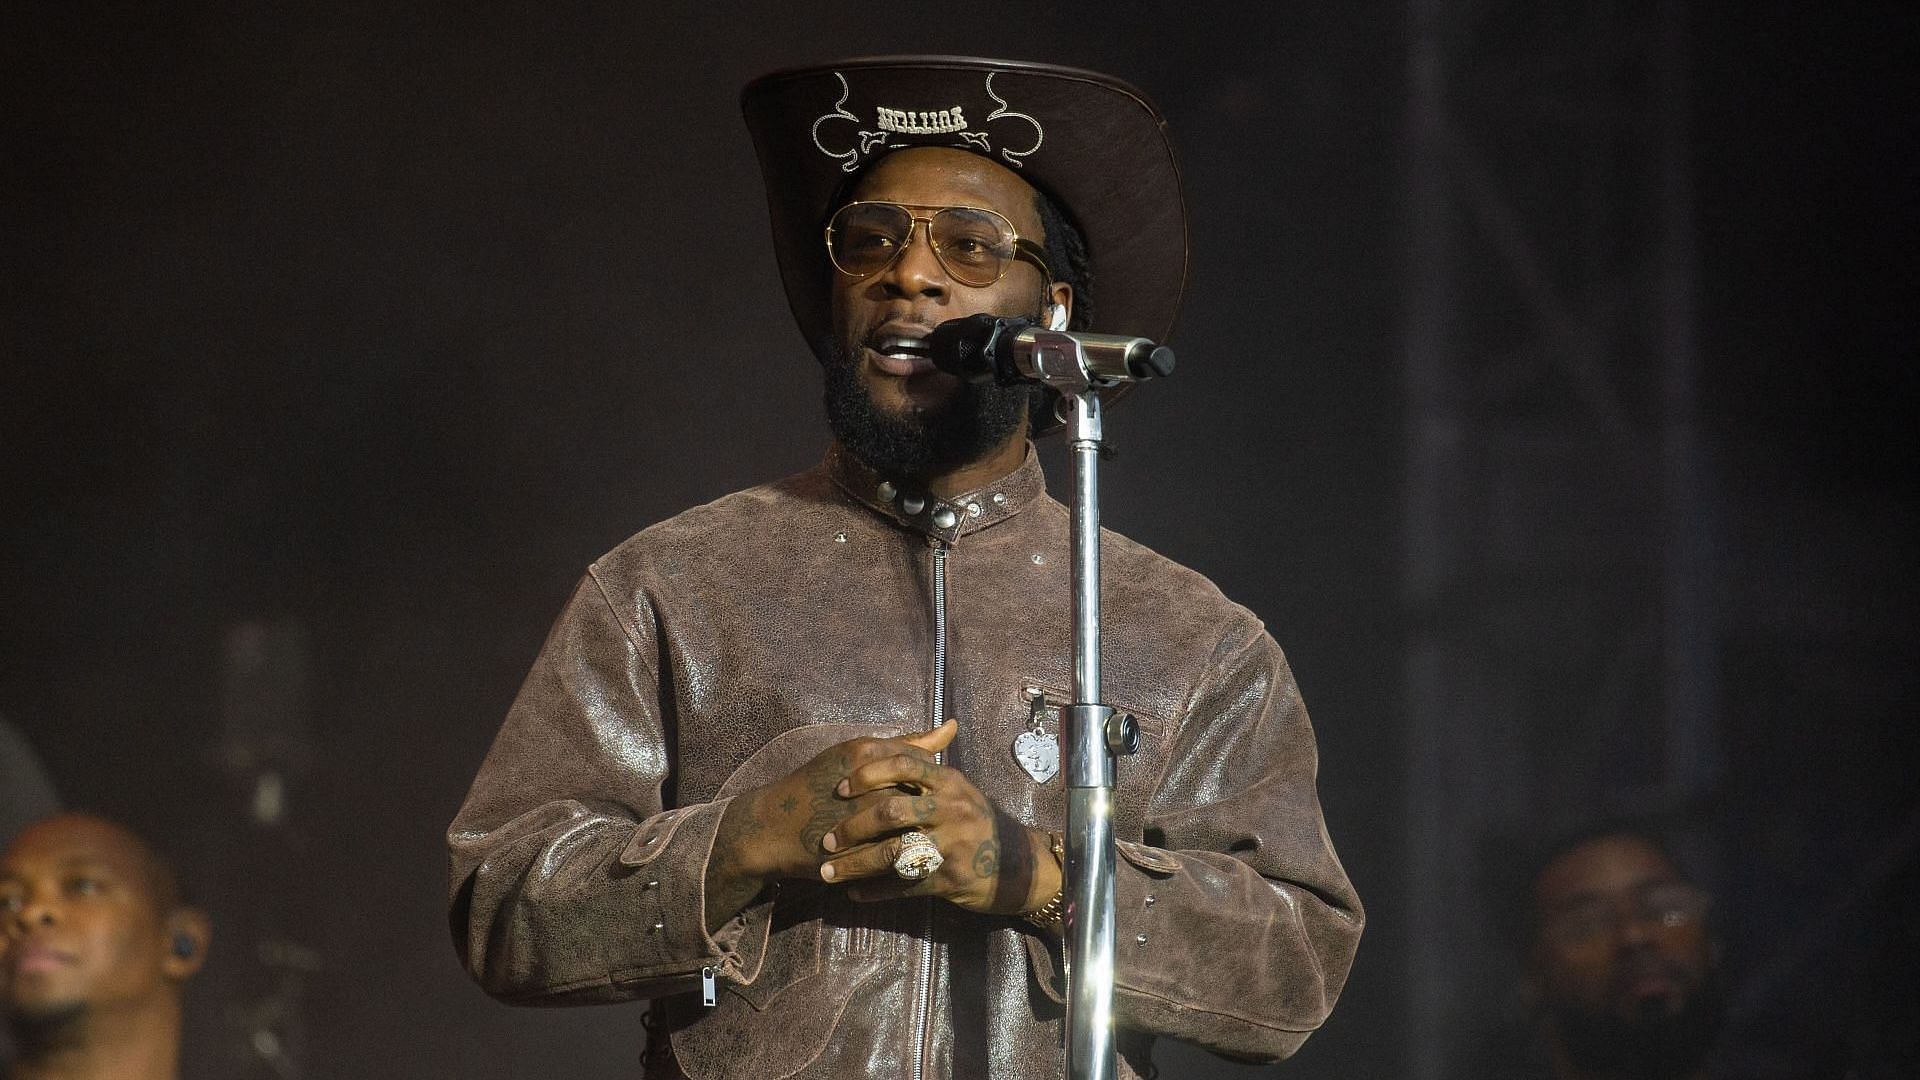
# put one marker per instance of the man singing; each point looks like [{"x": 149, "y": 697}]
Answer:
[{"x": 787, "y": 764}]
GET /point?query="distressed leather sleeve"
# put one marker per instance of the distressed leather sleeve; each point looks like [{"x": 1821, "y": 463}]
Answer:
[
  {"x": 1235, "y": 923},
  {"x": 569, "y": 880}
]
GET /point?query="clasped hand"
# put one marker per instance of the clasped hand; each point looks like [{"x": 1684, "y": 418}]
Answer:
[{"x": 840, "y": 817}]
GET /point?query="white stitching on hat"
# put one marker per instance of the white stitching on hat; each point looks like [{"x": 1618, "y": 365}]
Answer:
[
  {"x": 850, "y": 160},
  {"x": 1039, "y": 134}
]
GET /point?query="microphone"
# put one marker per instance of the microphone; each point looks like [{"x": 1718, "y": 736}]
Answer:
[{"x": 1015, "y": 349}]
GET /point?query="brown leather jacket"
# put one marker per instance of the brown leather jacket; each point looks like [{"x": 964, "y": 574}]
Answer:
[{"x": 719, "y": 650}]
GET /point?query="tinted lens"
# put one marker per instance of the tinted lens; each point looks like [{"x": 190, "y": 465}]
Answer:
[
  {"x": 974, "y": 245},
  {"x": 864, "y": 237}
]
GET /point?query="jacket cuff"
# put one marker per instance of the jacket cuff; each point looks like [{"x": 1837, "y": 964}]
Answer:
[
  {"x": 1134, "y": 872},
  {"x": 668, "y": 855}
]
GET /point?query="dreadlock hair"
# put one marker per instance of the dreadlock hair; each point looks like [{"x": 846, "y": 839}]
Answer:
[{"x": 1067, "y": 257}]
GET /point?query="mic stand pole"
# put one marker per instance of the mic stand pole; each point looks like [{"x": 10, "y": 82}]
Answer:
[{"x": 1093, "y": 735}]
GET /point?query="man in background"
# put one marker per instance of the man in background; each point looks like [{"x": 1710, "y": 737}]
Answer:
[
  {"x": 97, "y": 944},
  {"x": 1622, "y": 970}
]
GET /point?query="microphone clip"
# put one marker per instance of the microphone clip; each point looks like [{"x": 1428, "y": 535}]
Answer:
[{"x": 1016, "y": 349}]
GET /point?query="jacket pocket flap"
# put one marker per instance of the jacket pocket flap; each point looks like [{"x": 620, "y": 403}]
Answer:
[{"x": 1058, "y": 695}]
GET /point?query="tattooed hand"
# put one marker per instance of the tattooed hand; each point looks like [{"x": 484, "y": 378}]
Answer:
[
  {"x": 839, "y": 817},
  {"x": 993, "y": 862},
  {"x": 775, "y": 831}
]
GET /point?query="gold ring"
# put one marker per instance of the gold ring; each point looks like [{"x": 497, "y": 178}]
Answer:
[{"x": 919, "y": 857}]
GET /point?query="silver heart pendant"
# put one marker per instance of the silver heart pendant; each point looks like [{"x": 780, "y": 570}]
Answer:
[{"x": 1038, "y": 754}]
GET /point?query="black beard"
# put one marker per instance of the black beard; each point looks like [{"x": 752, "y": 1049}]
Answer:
[
  {"x": 1658, "y": 1045},
  {"x": 922, "y": 443}
]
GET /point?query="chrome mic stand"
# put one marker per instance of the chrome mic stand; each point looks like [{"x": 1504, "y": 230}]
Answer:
[
  {"x": 1092, "y": 732},
  {"x": 1011, "y": 350}
]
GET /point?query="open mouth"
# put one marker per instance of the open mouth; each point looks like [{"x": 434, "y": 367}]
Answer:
[
  {"x": 903, "y": 346},
  {"x": 902, "y": 353}
]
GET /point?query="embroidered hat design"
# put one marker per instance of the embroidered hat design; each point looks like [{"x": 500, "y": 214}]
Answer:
[
  {"x": 1095, "y": 146},
  {"x": 898, "y": 128}
]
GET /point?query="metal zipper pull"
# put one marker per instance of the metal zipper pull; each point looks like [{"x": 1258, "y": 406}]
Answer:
[{"x": 709, "y": 992}]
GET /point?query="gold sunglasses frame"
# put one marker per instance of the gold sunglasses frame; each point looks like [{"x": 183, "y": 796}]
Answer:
[{"x": 1022, "y": 247}]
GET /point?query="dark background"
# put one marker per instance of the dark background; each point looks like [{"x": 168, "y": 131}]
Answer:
[{"x": 371, "y": 324}]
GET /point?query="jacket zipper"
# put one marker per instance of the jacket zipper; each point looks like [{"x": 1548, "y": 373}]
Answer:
[
  {"x": 939, "y": 634},
  {"x": 924, "y": 996}
]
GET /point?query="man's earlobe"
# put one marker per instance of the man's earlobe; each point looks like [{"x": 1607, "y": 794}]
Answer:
[
  {"x": 1059, "y": 311},
  {"x": 189, "y": 932}
]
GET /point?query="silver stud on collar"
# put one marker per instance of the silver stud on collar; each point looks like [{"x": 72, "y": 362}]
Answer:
[
  {"x": 999, "y": 499},
  {"x": 944, "y": 518},
  {"x": 912, "y": 505},
  {"x": 973, "y": 509},
  {"x": 885, "y": 491}
]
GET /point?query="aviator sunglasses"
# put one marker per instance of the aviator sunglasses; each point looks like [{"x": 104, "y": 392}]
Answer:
[{"x": 975, "y": 246}]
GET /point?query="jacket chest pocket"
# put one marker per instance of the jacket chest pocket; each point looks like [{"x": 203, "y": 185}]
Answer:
[{"x": 1134, "y": 774}]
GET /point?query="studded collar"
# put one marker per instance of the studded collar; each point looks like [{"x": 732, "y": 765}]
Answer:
[{"x": 946, "y": 520}]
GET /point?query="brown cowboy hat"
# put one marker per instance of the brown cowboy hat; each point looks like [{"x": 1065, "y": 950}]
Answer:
[{"x": 1092, "y": 143}]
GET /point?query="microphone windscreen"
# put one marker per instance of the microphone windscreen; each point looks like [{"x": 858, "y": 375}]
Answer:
[{"x": 967, "y": 348}]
